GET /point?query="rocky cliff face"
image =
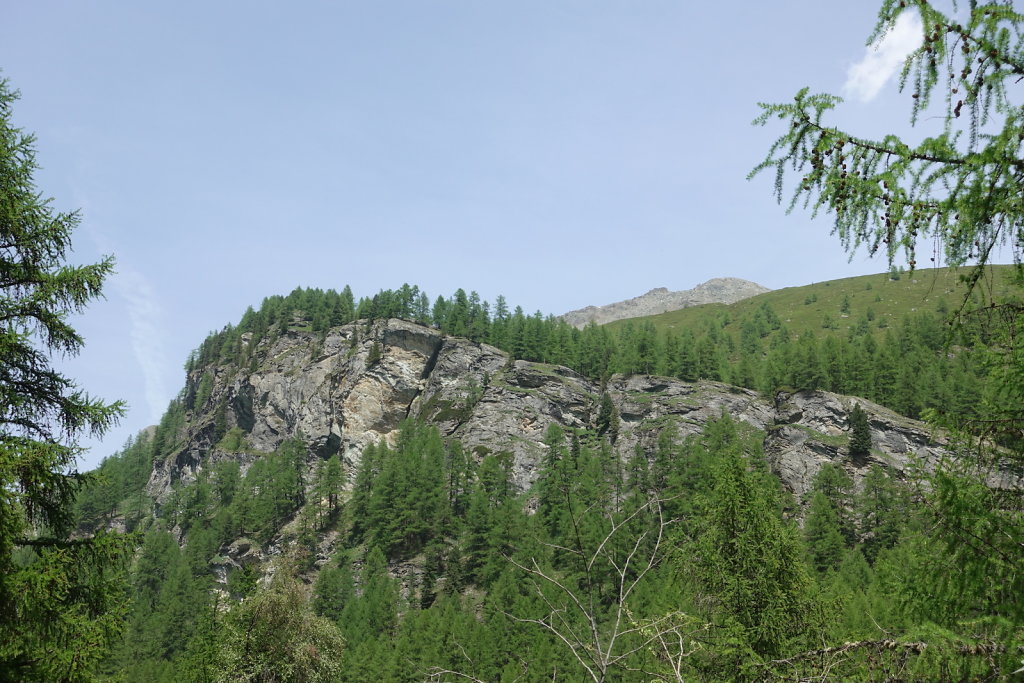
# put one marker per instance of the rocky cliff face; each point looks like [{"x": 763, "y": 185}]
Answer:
[
  {"x": 723, "y": 290},
  {"x": 356, "y": 384}
]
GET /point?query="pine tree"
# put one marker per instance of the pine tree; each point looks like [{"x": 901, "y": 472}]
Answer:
[
  {"x": 608, "y": 418},
  {"x": 837, "y": 487},
  {"x": 332, "y": 591},
  {"x": 860, "y": 433},
  {"x": 745, "y": 556},
  {"x": 375, "y": 611},
  {"x": 60, "y": 603},
  {"x": 553, "y": 482},
  {"x": 821, "y": 529},
  {"x": 882, "y": 512},
  {"x": 331, "y": 483}
]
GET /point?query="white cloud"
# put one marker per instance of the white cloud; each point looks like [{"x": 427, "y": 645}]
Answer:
[
  {"x": 881, "y": 61},
  {"x": 144, "y": 316}
]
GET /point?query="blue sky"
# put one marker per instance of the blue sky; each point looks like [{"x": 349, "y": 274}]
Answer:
[{"x": 559, "y": 153}]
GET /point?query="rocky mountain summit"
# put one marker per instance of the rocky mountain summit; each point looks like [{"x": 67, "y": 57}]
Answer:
[
  {"x": 725, "y": 290},
  {"x": 354, "y": 385}
]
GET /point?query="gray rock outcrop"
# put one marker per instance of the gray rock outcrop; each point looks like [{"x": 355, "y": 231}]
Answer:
[
  {"x": 354, "y": 386},
  {"x": 723, "y": 290}
]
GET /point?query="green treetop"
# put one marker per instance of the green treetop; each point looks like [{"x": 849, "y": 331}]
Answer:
[{"x": 860, "y": 433}]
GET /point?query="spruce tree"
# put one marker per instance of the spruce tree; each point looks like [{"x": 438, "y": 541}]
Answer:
[
  {"x": 60, "y": 603},
  {"x": 837, "y": 486},
  {"x": 333, "y": 590},
  {"x": 608, "y": 418},
  {"x": 821, "y": 529},
  {"x": 745, "y": 558},
  {"x": 860, "y": 433}
]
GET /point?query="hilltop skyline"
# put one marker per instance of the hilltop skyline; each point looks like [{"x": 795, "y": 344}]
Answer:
[{"x": 559, "y": 154}]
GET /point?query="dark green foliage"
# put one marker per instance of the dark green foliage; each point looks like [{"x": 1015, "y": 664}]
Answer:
[
  {"x": 60, "y": 598},
  {"x": 882, "y": 508},
  {"x": 202, "y": 393},
  {"x": 911, "y": 371},
  {"x": 327, "y": 488},
  {"x": 500, "y": 588},
  {"x": 746, "y": 556},
  {"x": 270, "y": 493},
  {"x": 608, "y": 419},
  {"x": 167, "y": 603},
  {"x": 374, "y": 612},
  {"x": 835, "y": 484},
  {"x": 242, "y": 582},
  {"x": 555, "y": 477},
  {"x": 332, "y": 591},
  {"x": 375, "y": 354},
  {"x": 167, "y": 436},
  {"x": 860, "y": 433},
  {"x": 117, "y": 487},
  {"x": 406, "y": 500},
  {"x": 493, "y": 521},
  {"x": 824, "y": 538},
  {"x": 978, "y": 533},
  {"x": 200, "y": 658}
]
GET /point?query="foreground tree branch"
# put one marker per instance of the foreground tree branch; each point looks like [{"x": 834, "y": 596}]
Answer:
[{"x": 601, "y": 641}]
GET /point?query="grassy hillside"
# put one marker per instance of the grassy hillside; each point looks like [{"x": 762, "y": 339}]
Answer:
[{"x": 838, "y": 305}]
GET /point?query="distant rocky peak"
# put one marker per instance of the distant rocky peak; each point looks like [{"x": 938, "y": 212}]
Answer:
[{"x": 723, "y": 290}]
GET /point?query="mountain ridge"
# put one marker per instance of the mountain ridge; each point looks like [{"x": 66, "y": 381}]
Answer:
[
  {"x": 392, "y": 461},
  {"x": 356, "y": 386},
  {"x": 725, "y": 290}
]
